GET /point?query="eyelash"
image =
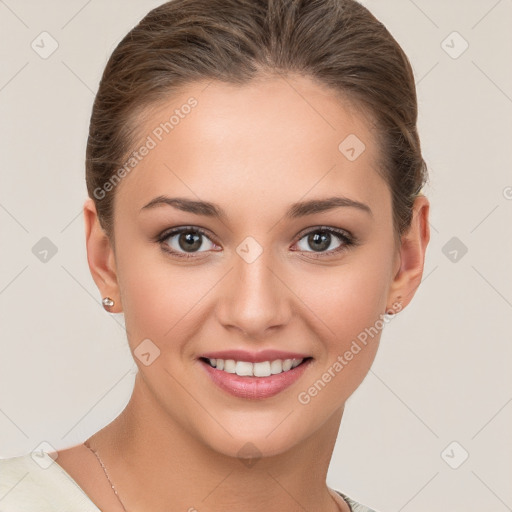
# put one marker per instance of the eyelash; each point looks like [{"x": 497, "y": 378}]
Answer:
[{"x": 347, "y": 239}]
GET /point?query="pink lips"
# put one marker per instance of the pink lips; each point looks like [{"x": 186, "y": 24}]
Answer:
[{"x": 255, "y": 388}]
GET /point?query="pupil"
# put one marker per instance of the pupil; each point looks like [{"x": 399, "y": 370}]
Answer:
[
  {"x": 192, "y": 241},
  {"x": 320, "y": 242}
]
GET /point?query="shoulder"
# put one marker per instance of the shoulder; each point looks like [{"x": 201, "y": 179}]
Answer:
[
  {"x": 354, "y": 506},
  {"x": 20, "y": 484},
  {"x": 35, "y": 482}
]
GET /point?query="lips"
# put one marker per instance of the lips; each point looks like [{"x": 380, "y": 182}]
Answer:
[{"x": 246, "y": 375}]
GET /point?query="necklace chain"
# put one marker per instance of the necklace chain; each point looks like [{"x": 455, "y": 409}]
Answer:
[{"x": 86, "y": 443}]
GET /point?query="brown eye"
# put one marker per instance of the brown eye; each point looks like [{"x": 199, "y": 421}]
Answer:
[
  {"x": 185, "y": 241},
  {"x": 190, "y": 241},
  {"x": 325, "y": 241}
]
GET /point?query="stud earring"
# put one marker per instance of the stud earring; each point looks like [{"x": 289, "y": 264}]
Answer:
[
  {"x": 107, "y": 302},
  {"x": 397, "y": 307}
]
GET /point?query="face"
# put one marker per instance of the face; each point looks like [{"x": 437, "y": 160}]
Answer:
[{"x": 269, "y": 264}]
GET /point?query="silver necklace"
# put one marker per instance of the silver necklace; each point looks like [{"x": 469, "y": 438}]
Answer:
[{"x": 86, "y": 443}]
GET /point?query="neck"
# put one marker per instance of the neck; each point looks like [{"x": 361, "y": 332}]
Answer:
[{"x": 156, "y": 464}]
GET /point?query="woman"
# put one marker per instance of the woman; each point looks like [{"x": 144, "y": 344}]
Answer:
[{"x": 254, "y": 175}]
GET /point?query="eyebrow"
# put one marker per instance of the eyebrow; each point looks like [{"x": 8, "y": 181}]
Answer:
[{"x": 296, "y": 210}]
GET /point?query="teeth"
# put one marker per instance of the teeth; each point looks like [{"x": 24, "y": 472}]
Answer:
[
  {"x": 243, "y": 369},
  {"x": 276, "y": 366},
  {"x": 261, "y": 369},
  {"x": 229, "y": 366}
]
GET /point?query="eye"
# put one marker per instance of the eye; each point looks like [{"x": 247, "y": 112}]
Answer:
[
  {"x": 185, "y": 241},
  {"x": 325, "y": 241}
]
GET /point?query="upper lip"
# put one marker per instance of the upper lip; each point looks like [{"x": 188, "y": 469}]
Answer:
[{"x": 253, "y": 357}]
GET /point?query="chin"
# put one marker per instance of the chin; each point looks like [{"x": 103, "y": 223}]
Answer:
[
  {"x": 249, "y": 449},
  {"x": 253, "y": 439}
]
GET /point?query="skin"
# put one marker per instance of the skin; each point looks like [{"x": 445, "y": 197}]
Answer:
[{"x": 253, "y": 150}]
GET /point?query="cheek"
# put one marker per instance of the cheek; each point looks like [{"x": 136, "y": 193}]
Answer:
[
  {"x": 161, "y": 301},
  {"x": 347, "y": 304},
  {"x": 347, "y": 298},
  {"x": 348, "y": 314}
]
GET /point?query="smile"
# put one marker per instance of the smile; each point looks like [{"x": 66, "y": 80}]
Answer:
[
  {"x": 260, "y": 369},
  {"x": 254, "y": 380}
]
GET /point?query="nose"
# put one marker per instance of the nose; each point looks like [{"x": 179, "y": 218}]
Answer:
[{"x": 255, "y": 301}]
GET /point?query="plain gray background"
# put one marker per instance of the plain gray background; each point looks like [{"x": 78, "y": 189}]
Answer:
[{"x": 440, "y": 389}]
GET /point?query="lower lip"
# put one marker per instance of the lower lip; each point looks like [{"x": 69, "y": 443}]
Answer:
[{"x": 254, "y": 387}]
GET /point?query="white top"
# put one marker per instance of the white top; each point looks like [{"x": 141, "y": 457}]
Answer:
[{"x": 36, "y": 483}]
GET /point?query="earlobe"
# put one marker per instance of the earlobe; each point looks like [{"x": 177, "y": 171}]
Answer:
[
  {"x": 100, "y": 256},
  {"x": 412, "y": 254}
]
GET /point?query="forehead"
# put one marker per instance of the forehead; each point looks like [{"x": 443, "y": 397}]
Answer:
[{"x": 278, "y": 138}]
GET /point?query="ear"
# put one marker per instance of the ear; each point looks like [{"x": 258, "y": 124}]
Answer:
[
  {"x": 411, "y": 257},
  {"x": 101, "y": 257}
]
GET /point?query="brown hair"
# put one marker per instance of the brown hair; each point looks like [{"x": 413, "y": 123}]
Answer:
[{"x": 338, "y": 43}]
